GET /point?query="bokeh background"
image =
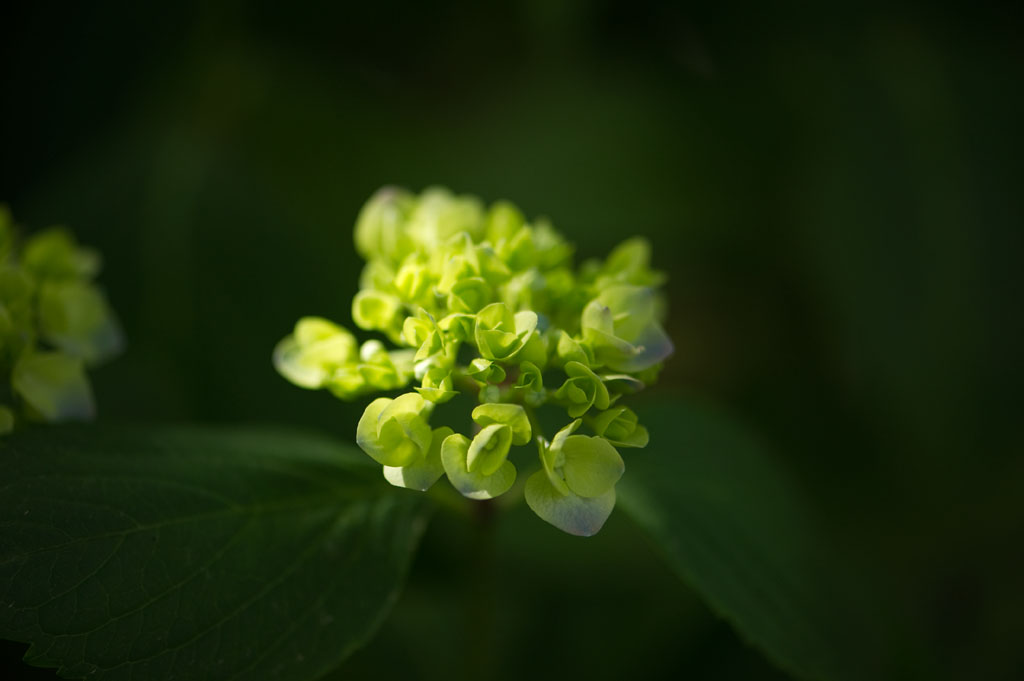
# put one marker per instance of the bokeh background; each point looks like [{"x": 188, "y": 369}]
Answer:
[{"x": 836, "y": 195}]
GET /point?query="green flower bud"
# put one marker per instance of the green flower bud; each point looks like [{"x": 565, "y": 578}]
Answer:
[
  {"x": 347, "y": 382},
  {"x": 620, "y": 427},
  {"x": 395, "y": 432},
  {"x": 499, "y": 334},
  {"x": 54, "y": 386},
  {"x": 457, "y": 268},
  {"x": 383, "y": 370},
  {"x": 376, "y": 311},
  {"x": 381, "y": 226},
  {"x": 485, "y": 371},
  {"x": 621, "y": 326},
  {"x": 414, "y": 282},
  {"x": 462, "y": 259},
  {"x": 423, "y": 333},
  {"x": 313, "y": 352},
  {"x": 511, "y": 415},
  {"x": 489, "y": 449},
  {"x": 474, "y": 484},
  {"x": 458, "y": 326},
  {"x": 582, "y": 390},
  {"x": 422, "y": 473},
  {"x": 437, "y": 385},
  {"x": 530, "y": 383},
  {"x": 75, "y": 318},
  {"x": 469, "y": 295}
]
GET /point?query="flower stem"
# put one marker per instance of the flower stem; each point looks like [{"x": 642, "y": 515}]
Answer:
[{"x": 482, "y": 606}]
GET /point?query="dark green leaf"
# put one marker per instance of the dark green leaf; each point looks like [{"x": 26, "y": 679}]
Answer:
[
  {"x": 738, "y": 532},
  {"x": 196, "y": 553}
]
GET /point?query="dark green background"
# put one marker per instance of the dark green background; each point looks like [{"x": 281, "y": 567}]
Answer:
[{"x": 837, "y": 197}]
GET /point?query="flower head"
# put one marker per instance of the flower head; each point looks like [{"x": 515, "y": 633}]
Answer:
[{"x": 483, "y": 301}]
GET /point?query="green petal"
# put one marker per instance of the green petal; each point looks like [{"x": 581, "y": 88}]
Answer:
[
  {"x": 437, "y": 385},
  {"x": 638, "y": 439},
  {"x": 592, "y": 465},
  {"x": 634, "y": 308},
  {"x": 496, "y": 316},
  {"x": 534, "y": 350},
  {"x": 416, "y": 330},
  {"x": 422, "y": 474},
  {"x": 489, "y": 449},
  {"x": 469, "y": 295},
  {"x": 569, "y": 350},
  {"x": 597, "y": 317},
  {"x": 573, "y": 514},
  {"x": 553, "y": 458},
  {"x": 623, "y": 382},
  {"x": 454, "y": 451},
  {"x": 524, "y": 322},
  {"x": 54, "y": 386},
  {"x": 558, "y": 441},
  {"x": 457, "y": 268},
  {"x": 458, "y": 325},
  {"x": 497, "y": 344},
  {"x": 582, "y": 390},
  {"x": 530, "y": 382},
  {"x": 414, "y": 281},
  {"x": 654, "y": 346},
  {"x": 486, "y": 371},
  {"x": 620, "y": 427},
  {"x": 511, "y": 415},
  {"x": 621, "y": 324},
  {"x": 366, "y": 430}
]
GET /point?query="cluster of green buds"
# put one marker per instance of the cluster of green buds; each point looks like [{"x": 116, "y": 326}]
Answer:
[
  {"x": 481, "y": 302},
  {"x": 54, "y": 324}
]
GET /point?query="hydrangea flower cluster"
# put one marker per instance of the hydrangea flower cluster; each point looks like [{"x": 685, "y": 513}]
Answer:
[
  {"x": 479, "y": 301},
  {"x": 54, "y": 324}
]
